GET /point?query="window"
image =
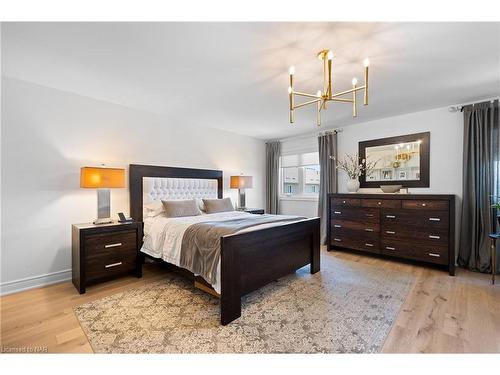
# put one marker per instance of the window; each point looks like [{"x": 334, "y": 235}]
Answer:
[{"x": 300, "y": 175}]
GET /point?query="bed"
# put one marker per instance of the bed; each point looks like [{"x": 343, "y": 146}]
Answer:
[{"x": 249, "y": 259}]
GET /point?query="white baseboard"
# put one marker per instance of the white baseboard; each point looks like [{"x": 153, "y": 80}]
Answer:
[{"x": 19, "y": 285}]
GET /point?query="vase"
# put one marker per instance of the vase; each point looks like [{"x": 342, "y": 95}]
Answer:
[{"x": 353, "y": 185}]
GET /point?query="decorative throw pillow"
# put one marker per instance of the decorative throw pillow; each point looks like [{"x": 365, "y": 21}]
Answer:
[
  {"x": 153, "y": 209},
  {"x": 218, "y": 205},
  {"x": 181, "y": 208}
]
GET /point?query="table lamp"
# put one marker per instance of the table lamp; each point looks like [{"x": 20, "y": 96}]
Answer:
[
  {"x": 241, "y": 183},
  {"x": 102, "y": 179}
]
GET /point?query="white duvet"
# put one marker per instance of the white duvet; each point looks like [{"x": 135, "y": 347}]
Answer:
[{"x": 163, "y": 236}]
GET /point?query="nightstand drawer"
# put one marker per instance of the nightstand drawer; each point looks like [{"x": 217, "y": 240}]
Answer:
[
  {"x": 103, "y": 266},
  {"x": 111, "y": 243}
]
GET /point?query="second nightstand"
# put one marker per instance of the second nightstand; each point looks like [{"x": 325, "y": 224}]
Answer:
[{"x": 102, "y": 252}]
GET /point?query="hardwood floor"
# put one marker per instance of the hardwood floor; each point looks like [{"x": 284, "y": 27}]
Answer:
[{"x": 441, "y": 314}]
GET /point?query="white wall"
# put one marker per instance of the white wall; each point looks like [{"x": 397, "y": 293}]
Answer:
[
  {"x": 47, "y": 135},
  {"x": 445, "y": 151}
]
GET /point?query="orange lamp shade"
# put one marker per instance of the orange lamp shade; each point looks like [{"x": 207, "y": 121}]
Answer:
[
  {"x": 241, "y": 182},
  {"x": 97, "y": 177}
]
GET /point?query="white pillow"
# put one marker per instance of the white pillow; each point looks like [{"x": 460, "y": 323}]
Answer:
[
  {"x": 201, "y": 204},
  {"x": 154, "y": 208}
]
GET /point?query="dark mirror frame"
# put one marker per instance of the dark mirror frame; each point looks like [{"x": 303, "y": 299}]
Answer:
[{"x": 424, "y": 159}]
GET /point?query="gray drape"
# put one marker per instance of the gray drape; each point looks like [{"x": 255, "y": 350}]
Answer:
[
  {"x": 273, "y": 151},
  {"x": 480, "y": 182},
  {"x": 327, "y": 146}
]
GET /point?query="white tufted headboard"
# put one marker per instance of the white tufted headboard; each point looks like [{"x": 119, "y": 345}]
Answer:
[
  {"x": 158, "y": 188},
  {"x": 152, "y": 182}
]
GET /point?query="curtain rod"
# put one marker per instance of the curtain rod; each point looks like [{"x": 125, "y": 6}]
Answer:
[
  {"x": 459, "y": 107},
  {"x": 308, "y": 135}
]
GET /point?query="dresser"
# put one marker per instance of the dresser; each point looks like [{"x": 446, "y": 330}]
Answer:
[
  {"x": 103, "y": 252},
  {"x": 407, "y": 226}
]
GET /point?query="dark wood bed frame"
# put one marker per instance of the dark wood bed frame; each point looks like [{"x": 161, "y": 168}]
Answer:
[{"x": 248, "y": 260}]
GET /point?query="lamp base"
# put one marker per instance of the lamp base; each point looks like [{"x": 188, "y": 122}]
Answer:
[
  {"x": 103, "y": 220},
  {"x": 241, "y": 199}
]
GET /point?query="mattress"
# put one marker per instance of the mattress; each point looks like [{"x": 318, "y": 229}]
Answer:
[{"x": 163, "y": 236}]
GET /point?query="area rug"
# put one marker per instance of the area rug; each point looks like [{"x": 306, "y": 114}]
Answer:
[{"x": 348, "y": 307}]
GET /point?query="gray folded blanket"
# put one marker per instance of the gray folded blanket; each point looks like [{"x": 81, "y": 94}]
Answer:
[{"x": 200, "y": 248}]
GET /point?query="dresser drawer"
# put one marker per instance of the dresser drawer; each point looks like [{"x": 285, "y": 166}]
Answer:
[
  {"x": 415, "y": 218},
  {"x": 110, "y": 243},
  {"x": 438, "y": 205},
  {"x": 369, "y": 245},
  {"x": 355, "y": 214},
  {"x": 99, "y": 267},
  {"x": 346, "y": 202},
  {"x": 381, "y": 203},
  {"x": 437, "y": 254},
  {"x": 431, "y": 236},
  {"x": 364, "y": 226}
]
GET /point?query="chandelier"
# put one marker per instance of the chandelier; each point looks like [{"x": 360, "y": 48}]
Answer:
[{"x": 322, "y": 97}]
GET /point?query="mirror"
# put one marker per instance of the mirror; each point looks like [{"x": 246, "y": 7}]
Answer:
[{"x": 402, "y": 160}]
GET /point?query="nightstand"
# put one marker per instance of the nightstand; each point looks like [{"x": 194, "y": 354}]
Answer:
[
  {"x": 256, "y": 211},
  {"x": 103, "y": 252}
]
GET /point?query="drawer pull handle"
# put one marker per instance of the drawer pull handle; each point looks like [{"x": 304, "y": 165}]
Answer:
[
  {"x": 390, "y": 248},
  {"x": 113, "y": 245},
  {"x": 379, "y": 203},
  {"x": 390, "y": 232},
  {"x": 337, "y": 239},
  {"x": 369, "y": 229},
  {"x": 113, "y": 265},
  {"x": 343, "y": 202},
  {"x": 337, "y": 226},
  {"x": 337, "y": 212},
  {"x": 369, "y": 215},
  {"x": 423, "y": 204},
  {"x": 434, "y": 237},
  {"x": 434, "y": 219},
  {"x": 369, "y": 244},
  {"x": 435, "y": 255},
  {"x": 390, "y": 216}
]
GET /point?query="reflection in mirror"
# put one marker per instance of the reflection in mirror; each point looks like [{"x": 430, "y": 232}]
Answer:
[{"x": 395, "y": 162}]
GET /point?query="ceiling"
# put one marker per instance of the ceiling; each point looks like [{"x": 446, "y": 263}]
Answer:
[{"x": 234, "y": 76}]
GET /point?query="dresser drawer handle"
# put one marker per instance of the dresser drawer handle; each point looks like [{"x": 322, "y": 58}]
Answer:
[
  {"x": 337, "y": 239},
  {"x": 434, "y": 237},
  {"x": 435, "y": 255},
  {"x": 379, "y": 203},
  {"x": 390, "y": 248},
  {"x": 390, "y": 232},
  {"x": 369, "y": 215},
  {"x": 337, "y": 226},
  {"x": 369, "y": 244},
  {"x": 113, "y": 245},
  {"x": 423, "y": 204},
  {"x": 113, "y": 265},
  {"x": 390, "y": 216},
  {"x": 369, "y": 229},
  {"x": 434, "y": 219},
  {"x": 337, "y": 212},
  {"x": 343, "y": 202}
]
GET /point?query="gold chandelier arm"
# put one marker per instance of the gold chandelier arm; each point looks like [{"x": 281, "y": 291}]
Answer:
[
  {"x": 344, "y": 100},
  {"x": 307, "y": 103},
  {"x": 305, "y": 94},
  {"x": 347, "y": 91}
]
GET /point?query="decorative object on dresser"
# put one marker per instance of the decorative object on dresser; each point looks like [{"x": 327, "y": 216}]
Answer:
[
  {"x": 102, "y": 252},
  {"x": 390, "y": 189},
  {"x": 417, "y": 227},
  {"x": 241, "y": 183},
  {"x": 354, "y": 166},
  {"x": 400, "y": 160},
  {"x": 255, "y": 211},
  {"x": 102, "y": 179}
]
